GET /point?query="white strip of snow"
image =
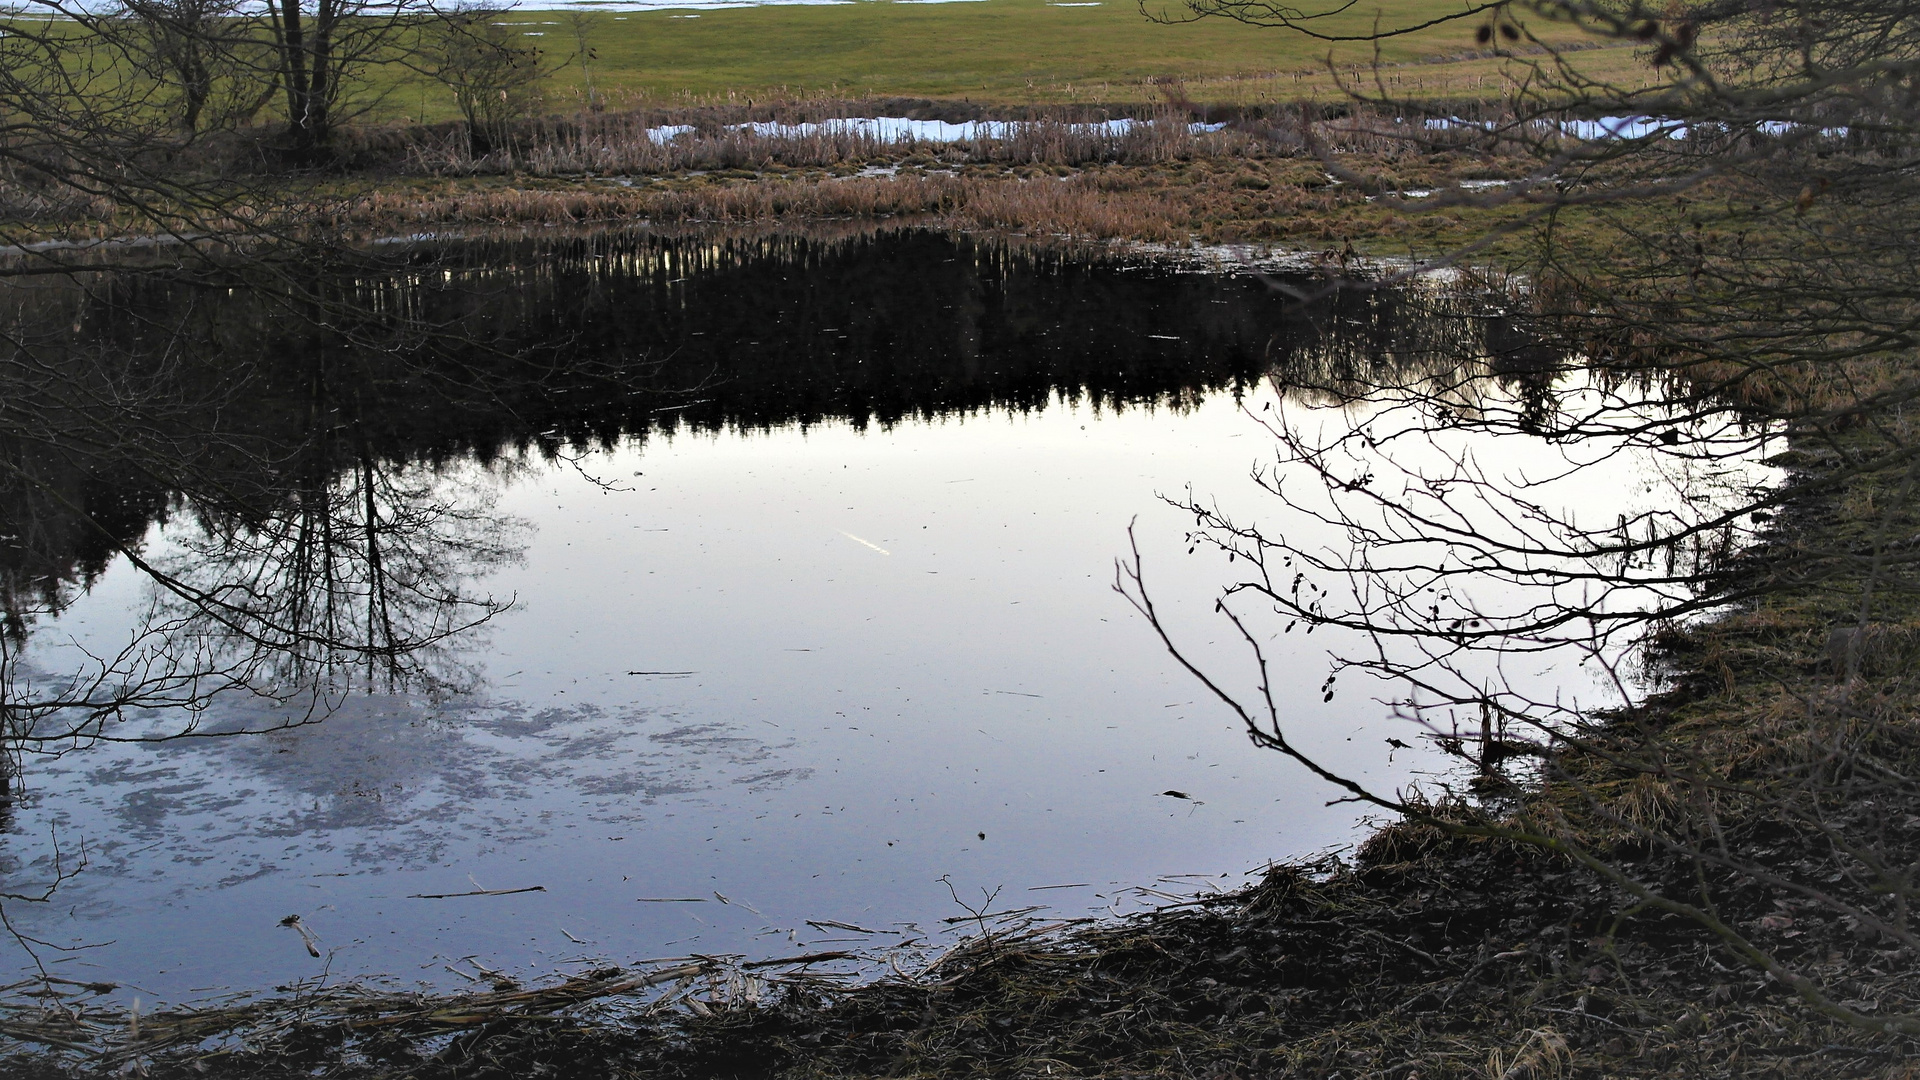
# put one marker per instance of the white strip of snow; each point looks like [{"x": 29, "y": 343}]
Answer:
[{"x": 896, "y": 129}]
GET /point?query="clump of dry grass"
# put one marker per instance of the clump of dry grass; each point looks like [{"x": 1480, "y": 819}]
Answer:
[
  {"x": 45, "y": 205},
  {"x": 1056, "y": 173},
  {"x": 1215, "y": 200},
  {"x": 622, "y": 144},
  {"x": 1046, "y": 206},
  {"x": 801, "y": 135}
]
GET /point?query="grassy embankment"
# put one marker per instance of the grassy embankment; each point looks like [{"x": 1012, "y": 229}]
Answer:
[{"x": 1217, "y": 190}]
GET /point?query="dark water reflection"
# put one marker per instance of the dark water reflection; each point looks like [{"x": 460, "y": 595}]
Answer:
[
  {"x": 404, "y": 518},
  {"x": 493, "y": 345}
]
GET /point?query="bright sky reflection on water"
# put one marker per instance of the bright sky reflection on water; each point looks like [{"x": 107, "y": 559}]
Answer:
[
  {"x": 757, "y": 672},
  {"x": 896, "y": 641}
]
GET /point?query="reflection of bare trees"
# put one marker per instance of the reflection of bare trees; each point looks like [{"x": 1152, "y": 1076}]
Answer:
[
  {"x": 301, "y": 556},
  {"x": 357, "y": 578},
  {"x": 1728, "y": 274},
  {"x": 298, "y": 569},
  {"x": 298, "y": 563},
  {"x": 299, "y": 577}
]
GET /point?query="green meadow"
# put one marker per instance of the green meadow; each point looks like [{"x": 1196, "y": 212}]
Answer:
[{"x": 993, "y": 51}]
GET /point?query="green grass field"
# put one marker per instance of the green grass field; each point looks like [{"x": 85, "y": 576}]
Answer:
[{"x": 997, "y": 51}]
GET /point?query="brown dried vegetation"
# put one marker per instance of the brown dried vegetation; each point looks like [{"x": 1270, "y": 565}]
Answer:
[{"x": 1158, "y": 182}]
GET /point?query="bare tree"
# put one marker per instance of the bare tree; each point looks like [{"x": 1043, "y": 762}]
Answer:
[
  {"x": 581, "y": 24},
  {"x": 1714, "y": 271},
  {"x": 212, "y": 53},
  {"x": 494, "y": 74},
  {"x": 324, "y": 48},
  {"x": 198, "y": 55}
]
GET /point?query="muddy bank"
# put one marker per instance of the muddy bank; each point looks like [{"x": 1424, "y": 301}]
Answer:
[{"x": 1425, "y": 957}]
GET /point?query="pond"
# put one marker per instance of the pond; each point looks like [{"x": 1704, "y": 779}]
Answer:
[{"x": 667, "y": 595}]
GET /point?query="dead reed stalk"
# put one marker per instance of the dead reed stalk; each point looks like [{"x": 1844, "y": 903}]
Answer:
[
  {"x": 1074, "y": 206},
  {"x": 652, "y": 142}
]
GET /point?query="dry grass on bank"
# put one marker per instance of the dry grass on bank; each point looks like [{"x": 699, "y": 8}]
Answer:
[
  {"x": 1162, "y": 181},
  {"x": 789, "y": 135},
  {"x": 1171, "y": 205},
  {"x": 1257, "y": 179},
  {"x": 1047, "y": 205}
]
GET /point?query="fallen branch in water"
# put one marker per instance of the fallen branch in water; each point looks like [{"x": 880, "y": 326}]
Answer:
[
  {"x": 109, "y": 1037},
  {"x": 835, "y": 924},
  {"x": 808, "y": 958},
  {"x": 475, "y": 892}
]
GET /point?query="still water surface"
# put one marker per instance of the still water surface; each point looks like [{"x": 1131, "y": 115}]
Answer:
[{"x": 807, "y": 616}]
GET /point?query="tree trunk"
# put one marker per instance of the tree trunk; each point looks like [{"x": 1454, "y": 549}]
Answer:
[
  {"x": 320, "y": 90},
  {"x": 304, "y": 71},
  {"x": 196, "y": 83}
]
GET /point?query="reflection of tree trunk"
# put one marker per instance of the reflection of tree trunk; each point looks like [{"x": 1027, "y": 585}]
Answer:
[
  {"x": 7, "y": 734},
  {"x": 380, "y": 639},
  {"x": 13, "y": 727},
  {"x": 1486, "y": 739}
]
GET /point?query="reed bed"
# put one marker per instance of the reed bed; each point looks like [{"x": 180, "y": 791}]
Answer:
[
  {"x": 1058, "y": 171},
  {"x": 1259, "y": 179},
  {"x": 631, "y": 144},
  {"x": 803, "y": 134},
  {"x": 1074, "y": 206}
]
